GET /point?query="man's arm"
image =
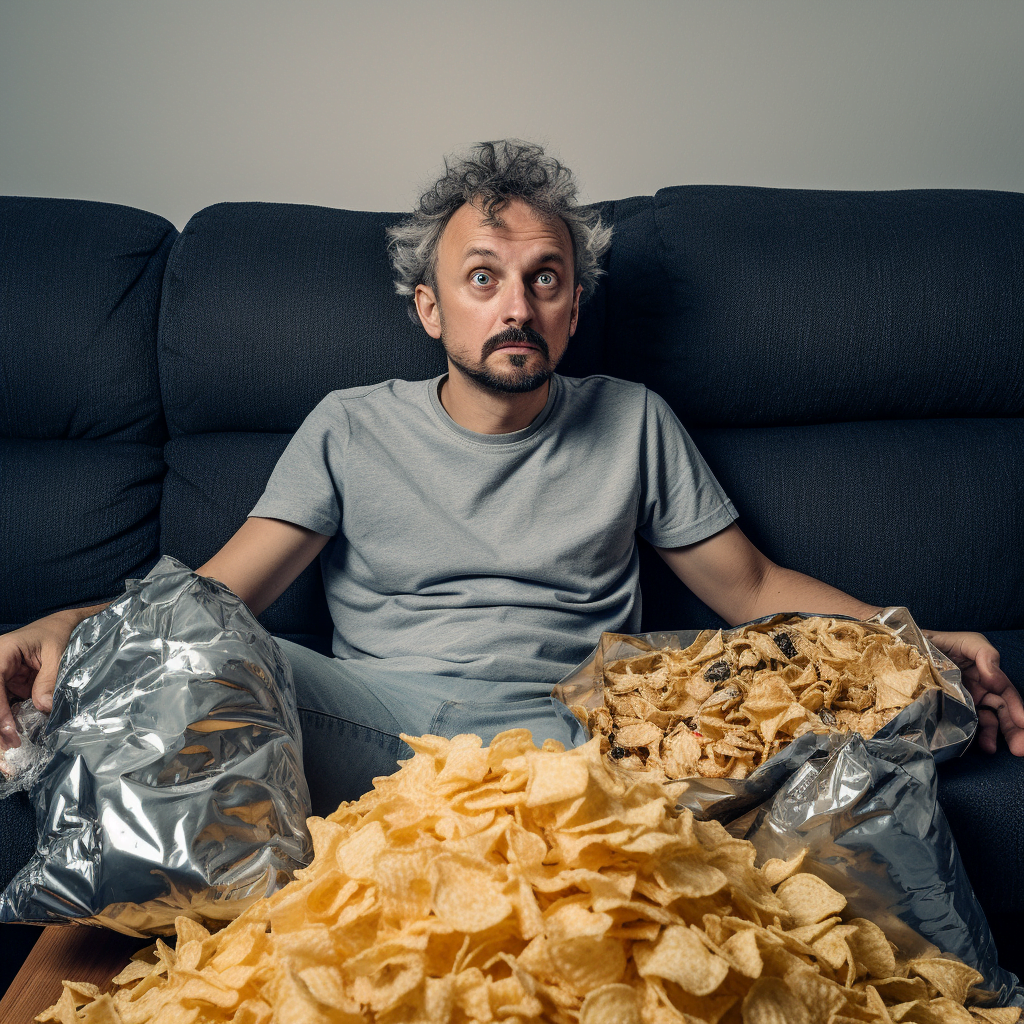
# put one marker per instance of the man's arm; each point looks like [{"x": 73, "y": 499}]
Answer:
[
  {"x": 730, "y": 575},
  {"x": 262, "y": 560},
  {"x": 257, "y": 564}
]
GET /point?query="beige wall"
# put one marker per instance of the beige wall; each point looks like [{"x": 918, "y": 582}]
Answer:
[{"x": 174, "y": 105}]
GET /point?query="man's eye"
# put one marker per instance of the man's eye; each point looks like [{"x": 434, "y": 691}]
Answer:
[
  {"x": 545, "y": 278},
  {"x": 481, "y": 278}
]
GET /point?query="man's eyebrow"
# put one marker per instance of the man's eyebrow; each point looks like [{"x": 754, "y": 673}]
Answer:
[{"x": 487, "y": 254}]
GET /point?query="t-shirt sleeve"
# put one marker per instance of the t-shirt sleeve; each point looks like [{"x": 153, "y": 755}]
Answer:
[
  {"x": 681, "y": 501},
  {"x": 305, "y": 486}
]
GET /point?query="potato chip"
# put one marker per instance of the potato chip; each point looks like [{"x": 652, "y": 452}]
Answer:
[
  {"x": 611, "y": 1004},
  {"x": 741, "y": 951},
  {"x": 507, "y": 883},
  {"x": 950, "y": 978},
  {"x": 996, "y": 1015},
  {"x": 772, "y": 1001},
  {"x": 466, "y": 897},
  {"x": 776, "y": 870},
  {"x": 871, "y": 948},
  {"x": 808, "y": 899},
  {"x": 678, "y": 955}
]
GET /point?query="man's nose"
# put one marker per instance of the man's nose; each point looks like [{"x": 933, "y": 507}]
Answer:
[{"x": 517, "y": 309}]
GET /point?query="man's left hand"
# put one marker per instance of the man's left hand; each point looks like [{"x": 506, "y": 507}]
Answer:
[{"x": 998, "y": 703}]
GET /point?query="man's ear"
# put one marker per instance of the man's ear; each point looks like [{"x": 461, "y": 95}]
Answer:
[
  {"x": 428, "y": 309},
  {"x": 575, "y": 310}
]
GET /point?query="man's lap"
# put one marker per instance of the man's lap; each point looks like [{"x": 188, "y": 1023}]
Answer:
[{"x": 353, "y": 712}]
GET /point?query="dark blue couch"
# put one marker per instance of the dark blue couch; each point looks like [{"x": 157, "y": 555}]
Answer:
[{"x": 851, "y": 364}]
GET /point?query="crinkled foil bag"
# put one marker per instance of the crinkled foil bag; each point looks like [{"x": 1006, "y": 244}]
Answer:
[
  {"x": 175, "y": 782},
  {"x": 867, "y": 811}
]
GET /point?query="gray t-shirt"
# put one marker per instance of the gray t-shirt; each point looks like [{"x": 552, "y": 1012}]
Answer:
[{"x": 490, "y": 556}]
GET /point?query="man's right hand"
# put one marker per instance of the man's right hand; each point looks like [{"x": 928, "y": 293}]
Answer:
[{"x": 28, "y": 664}]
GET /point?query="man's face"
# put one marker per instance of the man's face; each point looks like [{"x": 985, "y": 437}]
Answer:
[{"x": 509, "y": 305}]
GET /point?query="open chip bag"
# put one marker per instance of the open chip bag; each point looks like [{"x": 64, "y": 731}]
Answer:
[
  {"x": 174, "y": 785},
  {"x": 864, "y": 807}
]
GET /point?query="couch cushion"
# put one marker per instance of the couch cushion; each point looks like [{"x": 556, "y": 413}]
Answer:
[
  {"x": 269, "y": 306},
  {"x": 758, "y": 306},
  {"x": 81, "y": 424},
  {"x": 212, "y": 482},
  {"x": 79, "y": 294},
  {"x": 893, "y": 512},
  {"x": 77, "y": 519}
]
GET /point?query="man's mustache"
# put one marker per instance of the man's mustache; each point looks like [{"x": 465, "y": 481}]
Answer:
[{"x": 524, "y": 335}]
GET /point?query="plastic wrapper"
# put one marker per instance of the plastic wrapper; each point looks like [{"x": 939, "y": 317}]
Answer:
[
  {"x": 868, "y": 814},
  {"x": 20, "y": 767},
  {"x": 866, "y": 810},
  {"x": 175, "y": 783}
]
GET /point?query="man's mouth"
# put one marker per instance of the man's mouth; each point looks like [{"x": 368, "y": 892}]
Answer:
[{"x": 517, "y": 346}]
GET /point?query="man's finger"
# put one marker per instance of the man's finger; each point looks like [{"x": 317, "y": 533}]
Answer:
[
  {"x": 42, "y": 688},
  {"x": 8, "y": 730},
  {"x": 10, "y": 667},
  {"x": 1014, "y": 740},
  {"x": 20, "y": 687},
  {"x": 995, "y": 680},
  {"x": 988, "y": 729},
  {"x": 993, "y": 704}
]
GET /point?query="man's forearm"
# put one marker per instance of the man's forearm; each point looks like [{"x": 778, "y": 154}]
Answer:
[
  {"x": 728, "y": 573},
  {"x": 784, "y": 590}
]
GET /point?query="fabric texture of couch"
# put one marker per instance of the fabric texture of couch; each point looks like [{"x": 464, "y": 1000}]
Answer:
[{"x": 851, "y": 365}]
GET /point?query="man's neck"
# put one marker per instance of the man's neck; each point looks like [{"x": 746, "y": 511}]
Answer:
[{"x": 488, "y": 412}]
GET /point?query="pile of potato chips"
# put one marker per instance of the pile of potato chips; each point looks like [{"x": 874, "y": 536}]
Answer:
[
  {"x": 507, "y": 883},
  {"x": 727, "y": 703}
]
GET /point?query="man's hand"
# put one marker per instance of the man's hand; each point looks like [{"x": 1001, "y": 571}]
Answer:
[
  {"x": 999, "y": 705},
  {"x": 28, "y": 665}
]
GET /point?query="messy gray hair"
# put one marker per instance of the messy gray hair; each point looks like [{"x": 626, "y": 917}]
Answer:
[{"x": 493, "y": 174}]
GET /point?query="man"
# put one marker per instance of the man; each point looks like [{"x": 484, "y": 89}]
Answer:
[{"x": 477, "y": 532}]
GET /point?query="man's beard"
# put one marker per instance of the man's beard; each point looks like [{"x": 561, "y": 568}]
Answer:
[{"x": 518, "y": 379}]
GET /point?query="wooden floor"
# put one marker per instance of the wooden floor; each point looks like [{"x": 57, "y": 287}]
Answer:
[{"x": 75, "y": 952}]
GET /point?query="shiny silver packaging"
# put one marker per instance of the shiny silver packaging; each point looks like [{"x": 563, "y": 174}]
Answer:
[
  {"x": 866, "y": 811},
  {"x": 175, "y": 782},
  {"x": 21, "y": 766}
]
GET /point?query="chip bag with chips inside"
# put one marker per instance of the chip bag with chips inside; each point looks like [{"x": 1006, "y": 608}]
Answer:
[
  {"x": 720, "y": 704},
  {"x": 806, "y": 733}
]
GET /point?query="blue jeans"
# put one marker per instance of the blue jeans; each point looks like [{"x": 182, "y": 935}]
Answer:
[{"x": 353, "y": 713}]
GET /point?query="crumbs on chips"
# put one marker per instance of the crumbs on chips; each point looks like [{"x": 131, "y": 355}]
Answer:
[
  {"x": 526, "y": 886},
  {"x": 729, "y": 701}
]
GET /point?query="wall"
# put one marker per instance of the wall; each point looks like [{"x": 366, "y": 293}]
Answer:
[{"x": 173, "y": 106}]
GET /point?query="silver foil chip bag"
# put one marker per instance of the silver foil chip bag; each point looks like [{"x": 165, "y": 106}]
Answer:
[{"x": 175, "y": 782}]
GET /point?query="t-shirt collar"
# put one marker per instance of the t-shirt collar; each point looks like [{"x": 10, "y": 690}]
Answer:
[{"x": 513, "y": 437}]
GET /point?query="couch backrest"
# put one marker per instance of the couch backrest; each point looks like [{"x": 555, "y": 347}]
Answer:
[
  {"x": 81, "y": 422},
  {"x": 851, "y": 364}
]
